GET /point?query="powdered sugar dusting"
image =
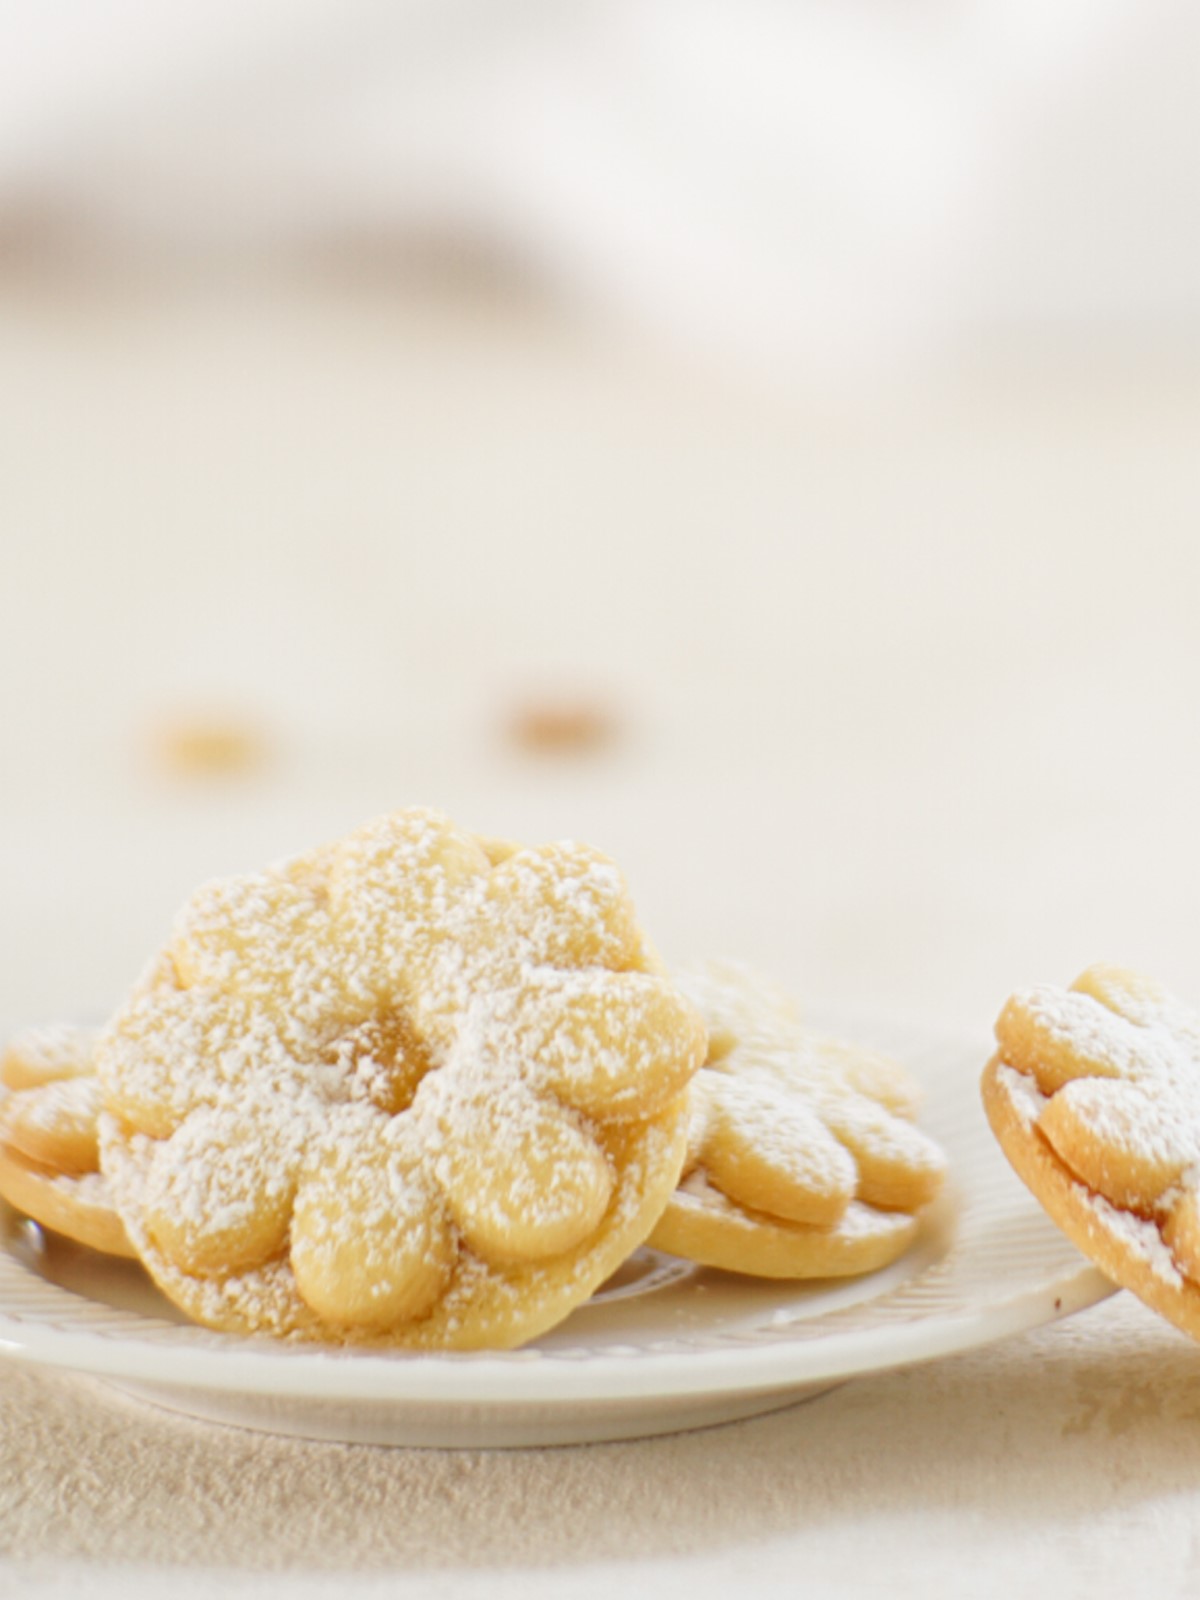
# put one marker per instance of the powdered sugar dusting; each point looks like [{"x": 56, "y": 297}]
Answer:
[
  {"x": 790, "y": 1097},
  {"x": 1125, "y": 1114},
  {"x": 70, "y": 1104},
  {"x": 1139, "y": 1235},
  {"x": 1026, "y": 1098},
  {"x": 399, "y": 981},
  {"x": 1080, "y": 1023},
  {"x": 44, "y": 1055},
  {"x": 1135, "y": 1234}
]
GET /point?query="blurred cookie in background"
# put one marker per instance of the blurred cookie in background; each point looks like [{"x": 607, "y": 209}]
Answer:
[
  {"x": 202, "y": 744},
  {"x": 562, "y": 724}
]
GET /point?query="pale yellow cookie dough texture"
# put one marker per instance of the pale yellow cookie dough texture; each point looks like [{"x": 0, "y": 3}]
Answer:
[
  {"x": 49, "y": 1150},
  {"x": 414, "y": 1089},
  {"x": 1094, "y": 1096},
  {"x": 803, "y": 1157}
]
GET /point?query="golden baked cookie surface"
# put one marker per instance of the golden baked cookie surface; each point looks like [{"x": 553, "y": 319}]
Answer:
[
  {"x": 49, "y": 1155},
  {"x": 413, "y": 1088},
  {"x": 1094, "y": 1095},
  {"x": 803, "y": 1159}
]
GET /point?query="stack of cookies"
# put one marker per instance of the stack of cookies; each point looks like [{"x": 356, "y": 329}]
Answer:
[{"x": 428, "y": 1090}]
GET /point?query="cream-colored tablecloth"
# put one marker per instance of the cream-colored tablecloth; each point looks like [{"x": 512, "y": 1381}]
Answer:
[
  {"x": 906, "y": 701},
  {"x": 1067, "y": 1458}
]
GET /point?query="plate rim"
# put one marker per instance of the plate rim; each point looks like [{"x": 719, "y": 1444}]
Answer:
[{"x": 504, "y": 1379}]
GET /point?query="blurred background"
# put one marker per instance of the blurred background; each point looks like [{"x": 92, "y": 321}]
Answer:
[{"x": 761, "y": 440}]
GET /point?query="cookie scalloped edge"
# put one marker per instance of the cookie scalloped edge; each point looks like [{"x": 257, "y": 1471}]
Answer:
[
  {"x": 68, "y": 1206},
  {"x": 1127, "y": 1248}
]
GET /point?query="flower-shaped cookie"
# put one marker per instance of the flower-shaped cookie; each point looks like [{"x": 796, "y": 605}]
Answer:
[
  {"x": 49, "y": 1159},
  {"x": 1094, "y": 1096},
  {"x": 415, "y": 1088},
  {"x": 803, "y": 1160}
]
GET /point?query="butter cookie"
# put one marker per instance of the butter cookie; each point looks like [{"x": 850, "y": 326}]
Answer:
[
  {"x": 416, "y": 1088},
  {"x": 803, "y": 1160},
  {"x": 1094, "y": 1096},
  {"x": 49, "y": 1157}
]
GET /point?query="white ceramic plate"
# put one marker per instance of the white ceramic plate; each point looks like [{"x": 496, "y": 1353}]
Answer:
[{"x": 665, "y": 1346}]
